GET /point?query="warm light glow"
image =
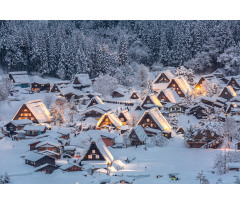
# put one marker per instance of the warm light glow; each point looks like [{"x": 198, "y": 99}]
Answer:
[{"x": 198, "y": 88}]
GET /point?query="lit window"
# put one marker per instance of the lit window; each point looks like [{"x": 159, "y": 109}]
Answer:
[
  {"x": 25, "y": 110},
  {"x": 93, "y": 151},
  {"x": 148, "y": 120},
  {"x": 89, "y": 156},
  {"x": 122, "y": 119},
  {"x": 97, "y": 156}
]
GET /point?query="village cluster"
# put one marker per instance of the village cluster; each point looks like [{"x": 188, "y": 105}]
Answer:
[{"x": 126, "y": 118}]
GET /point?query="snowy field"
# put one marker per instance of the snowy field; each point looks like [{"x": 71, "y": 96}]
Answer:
[{"x": 174, "y": 158}]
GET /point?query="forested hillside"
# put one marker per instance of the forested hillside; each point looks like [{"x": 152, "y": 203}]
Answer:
[{"x": 63, "y": 48}]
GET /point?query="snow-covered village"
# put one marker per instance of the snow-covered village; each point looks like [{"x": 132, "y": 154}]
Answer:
[{"x": 119, "y": 102}]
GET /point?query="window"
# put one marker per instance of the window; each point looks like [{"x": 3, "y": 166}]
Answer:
[
  {"x": 89, "y": 156},
  {"x": 173, "y": 85},
  {"x": 97, "y": 156},
  {"x": 148, "y": 120},
  {"x": 122, "y": 119},
  {"x": 93, "y": 151},
  {"x": 25, "y": 110}
]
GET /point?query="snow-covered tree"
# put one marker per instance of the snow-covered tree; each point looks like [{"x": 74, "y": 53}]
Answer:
[
  {"x": 159, "y": 140},
  {"x": 141, "y": 78},
  {"x": 173, "y": 121},
  {"x": 48, "y": 100},
  {"x": 72, "y": 109},
  {"x": 105, "y": 84}
]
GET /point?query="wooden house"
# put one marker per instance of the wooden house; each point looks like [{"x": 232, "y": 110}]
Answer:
[
  {"x": 36, "y": 160},
  {"x": 109, "y": 121},
  {"x": 180, "y": 85},
  {"x": 108, "y": 138},
  {"x": 151, "y": 101},
  {"x": 97, "y": 151},
  {"x": 125, "y": 117},
  {"x": 40, "y": 84},
  {"x": 32, "y": 144},
  {"x": 70, "y": 150},
  {"x": 34, "y": 130},
  {"x": 57, "y": 86},
  {"x": 134, "y": 95},
  {"x": 52, "y": 154},
  {"x": 16, "y": 125},
  {"x": 71, "y": 167},
  {"x": 46, "y": 168},
  {"x": 64, "y": 132},
  {"x": 137, "y": 136},
  {"x": 173, "y": 109},
  {"x": 200, "y": 110},
  {"x": 50, "y": 145},
  {"x": 96, "y": 111},
  {"x": 35, "y": 111},
  {"x": 235, "y": 83},
  {"x": 228, "y": 93},
  {"x": 164, "y": 77},
  {"x": 219, "y": 73},
  {"x": 119, "y": 92},
  {"x": 94, "y": 101},
  {"x": 81, "y": 81},
  {"x": 153, "y": 118},
  {"x": 168, "y": 95},
  {"x": 68, "y": 92},
  {"x": 20, "y": 78}
]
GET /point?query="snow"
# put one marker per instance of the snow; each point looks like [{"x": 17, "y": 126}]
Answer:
[
  {"x": 183, "y": 84},
  {"x": 83, "y": 79},
  {"x": 112, "y": 117},
  {"x": 34, "y": 128},
  {"x": 141, "y": 134},
  {"x": 171, "y": 94}
]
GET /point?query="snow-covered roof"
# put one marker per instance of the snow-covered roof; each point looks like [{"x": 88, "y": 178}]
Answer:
[
  {"x": 83, "y": 79},
  {"x": 171, "y": 94},
  {"x": 21, "y": 79},
  {"x": 42, "y": 166},
  {"x": 20, "y": 122},
  {"x": 39, "y": 80},
  {"x": 127, "y": 115},
  {"x": 18, "y": 73},
  {"x": 154, "y": 100},
  {"x": 112, "y": 117},
  {"x": 141, "y": 134},
  {"x": 31, "y": 156},
  {"x": 230, "y": 90},
  {"x": 98, "y": 100},
  {"x": 67, "y": 166},
  {"x": 102, "y": 148},
  {"x": 183, "y": 84},
  {"x": 48, "y": 152},
  {"x": 39, "y": 110},
  {"x": 168, "y": 74},
  {"x": 70, "y": 90},
  {"x": 158, "y": 118},
  {"x": 34, "y": 127},
  {"x": 160, "y": 86},
  {"x": 70, "y": 148},
  {"x": 50, "y": 142},
  {"x": 121, "y": 90},
  {"x": 233, "y": 165},
  {"x": 63, "y": 131}
]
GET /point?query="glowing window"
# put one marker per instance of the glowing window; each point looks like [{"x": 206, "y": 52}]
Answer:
[
  {"x": 93, "y": 151},
  {"x": 97, "y": 156},
  {"x": 148, "y": 120},
  {"x": 89, "y": 156}
]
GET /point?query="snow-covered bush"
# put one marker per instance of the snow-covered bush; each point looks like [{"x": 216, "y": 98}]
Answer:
[
  {"x": 4, "y": 178},
  {"x": 159, "y": 140}
]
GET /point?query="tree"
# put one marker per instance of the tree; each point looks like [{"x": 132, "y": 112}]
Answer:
[
  {"x": 149, "y": 85},
  {"x": 72, "y": 109},
  {"x": 105, "y": 84},
  {"x": 123, "y": 55},
  {"x": 48, "y": 100},
  {"x": 58, "y": 110},
  {"x": 173, "y": 122},
  {"x": 141, "y": 78},
  {"x": 159, "y": 140}
]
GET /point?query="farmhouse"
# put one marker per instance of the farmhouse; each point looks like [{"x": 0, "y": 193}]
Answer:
[
  {"x": 20, "y": 78},
  {"x": 151, "y": 101},
  {"x": 134, "y": 95},
  {"x": 97, "y": 151},
  {"x": 172, "y": 109},
  {"x": 235, "y": 83},
  {"x": 164, "y": 77},
  {"x": 154, "y": 119},
  {"x": 81, "y": 81},
  {"x": 109, "y": 121},
  {"x": 16, "y": 125},
  {"x": 36, "y": 160},
  {"x": 119, "y": 92},
  {"x": 125, "y": 117},
  {"x": 40, "y": 84},
  {"x": 137, "y": 136},
  {"x": 169, "y": 95},
  {"x": 94, "y": 101},
  {"x": 35, "y": 111},
  {"x": 71, "y": 167},
  {"x": 50, "y": 145},
  {"x": 56, "y": 86},
  {"x": 180, "y": 85},
  {"x": 228, "y": 93},
  {"x": 34, "y": 130},
  {"x": 52, "y": 154},
  {"x": 96, "y": 111}
]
